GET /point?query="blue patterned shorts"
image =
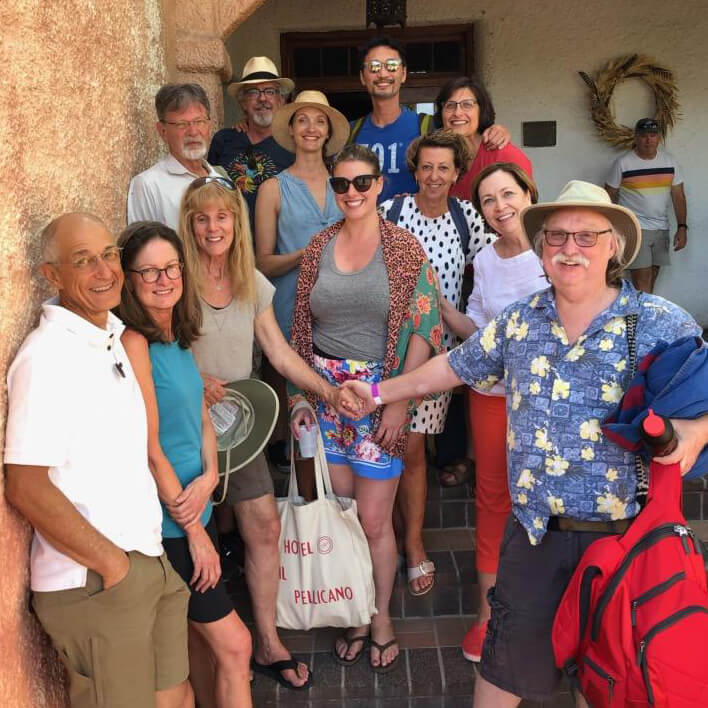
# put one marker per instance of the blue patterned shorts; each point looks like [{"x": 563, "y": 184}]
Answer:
[{"x": 347, "y": 441}]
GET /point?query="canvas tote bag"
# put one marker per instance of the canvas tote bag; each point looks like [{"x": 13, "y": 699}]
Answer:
[{"x": 326, "y": 577}]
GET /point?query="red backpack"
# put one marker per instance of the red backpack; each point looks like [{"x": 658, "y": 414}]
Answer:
[{"x": 632, "y": 626}]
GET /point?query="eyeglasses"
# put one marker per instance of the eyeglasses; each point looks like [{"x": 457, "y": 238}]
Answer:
[
  {"x": 110, "y": 255},
  {"x": 256, "y": 93},
  {"x": 184, "y": 124},
  {"x": 223, "y": 181},
  {"x": 151, "y": 275},
  {"x": 584, "y": 239},
  {"x": 467, "y": 105},
  {"x": 362, "y": 183},
  {"x": 374, "y": 66}
]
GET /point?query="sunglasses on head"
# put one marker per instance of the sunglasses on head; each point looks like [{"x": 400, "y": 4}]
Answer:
[
  {"x": 362, "y": 183},
  {"x": 223, "y": 181}
]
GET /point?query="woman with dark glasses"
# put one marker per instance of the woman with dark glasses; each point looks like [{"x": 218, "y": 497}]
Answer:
[
  {"x": 366, "y": 308},
  {"x": 160, "y": 308},
  {"x": 236, "y": 303}
]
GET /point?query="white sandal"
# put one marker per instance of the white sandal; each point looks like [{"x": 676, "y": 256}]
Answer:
[{"x": 425, "y": 568}]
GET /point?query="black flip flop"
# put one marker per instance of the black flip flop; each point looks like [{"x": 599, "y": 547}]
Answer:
[
  {"x": 350, "y": 641},
  {"x": 381, "y": 649},
  {"x": 273, "y": 671}
]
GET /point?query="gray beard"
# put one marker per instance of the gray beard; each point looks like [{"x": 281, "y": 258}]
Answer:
[
  {"x": 262, "y": 120},
  {"x": 195, "y": 153}
]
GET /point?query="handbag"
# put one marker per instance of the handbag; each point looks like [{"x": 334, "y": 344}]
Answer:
[{"x": 326, "y": 578}]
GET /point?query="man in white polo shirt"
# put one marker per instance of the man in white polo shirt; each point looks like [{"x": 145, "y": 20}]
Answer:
[
  {"x": 184, "y": 125},
  {"x": 76, "y": 467}
]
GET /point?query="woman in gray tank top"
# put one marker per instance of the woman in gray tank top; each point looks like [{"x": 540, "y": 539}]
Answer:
[{"x": 366, "y": 304}]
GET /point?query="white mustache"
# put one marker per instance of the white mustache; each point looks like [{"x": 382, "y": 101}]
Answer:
[{"x": 570, "y": 260}]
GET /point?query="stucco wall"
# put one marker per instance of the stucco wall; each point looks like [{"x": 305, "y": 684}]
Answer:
[
  {"x": 529, "y": 54},
  {"x": 78, "y": 81}
]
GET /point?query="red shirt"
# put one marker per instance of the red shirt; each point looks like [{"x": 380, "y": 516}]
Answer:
[{"x": 463, "y": 187}]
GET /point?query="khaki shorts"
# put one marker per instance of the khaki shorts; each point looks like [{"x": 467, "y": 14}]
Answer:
[
  {"x": 250, "y": 482},
  {"x": 654, "y": 250},
  {"x": 120, "y": 645}
]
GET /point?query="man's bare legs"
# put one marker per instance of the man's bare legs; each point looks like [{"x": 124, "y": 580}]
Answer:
[
  {"x": 645, "y": 278},
  {"x": 259, "y": 525}
]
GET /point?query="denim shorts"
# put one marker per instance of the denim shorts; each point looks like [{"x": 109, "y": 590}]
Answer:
[
  {"x": 517, "y": 655},
  {"x": 350, "y": 442}
]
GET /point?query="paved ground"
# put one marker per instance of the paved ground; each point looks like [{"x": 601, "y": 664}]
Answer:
[{"x": 432, "y": 672}]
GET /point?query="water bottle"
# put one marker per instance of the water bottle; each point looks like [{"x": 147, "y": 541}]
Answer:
[{"x": 658, "y": 435}]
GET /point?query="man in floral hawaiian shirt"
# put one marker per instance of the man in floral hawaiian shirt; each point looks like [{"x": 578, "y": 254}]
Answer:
[{"x": 564, "y": 356}]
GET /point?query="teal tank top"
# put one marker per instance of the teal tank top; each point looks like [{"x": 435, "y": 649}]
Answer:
[
  {"x": 178, "y": 387},
  {"x": 299, "y": 220}
]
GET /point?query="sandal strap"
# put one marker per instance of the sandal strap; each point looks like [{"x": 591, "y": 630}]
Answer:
[
  {"x": 284, "y": 665},
  {"x": 423, "y": 569},
  {"x": 382, "y": 647},
  {"x": 350, "y": 641}
]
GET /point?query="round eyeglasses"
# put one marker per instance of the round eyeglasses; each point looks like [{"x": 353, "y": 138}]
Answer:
[{"x": 151, "y": 275}]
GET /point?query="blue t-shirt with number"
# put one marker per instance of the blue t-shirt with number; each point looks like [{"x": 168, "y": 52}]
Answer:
[{"x": 390, "y": 143}]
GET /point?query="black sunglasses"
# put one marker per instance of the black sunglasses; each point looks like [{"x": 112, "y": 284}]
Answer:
[
  {"x": 223, "y": 181},
  {"x": 362, "y": 183}
]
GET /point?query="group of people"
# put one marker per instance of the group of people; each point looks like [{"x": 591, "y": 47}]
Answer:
[{"x": 302, "y": 238}]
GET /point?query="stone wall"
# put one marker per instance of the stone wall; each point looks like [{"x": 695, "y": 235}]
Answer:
[{"x": 78, "y": 82}]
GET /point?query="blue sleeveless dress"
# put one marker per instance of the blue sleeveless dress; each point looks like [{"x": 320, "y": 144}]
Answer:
[
  {"x": 299, "y": 220},
  {"x": 178, "y": 387}
]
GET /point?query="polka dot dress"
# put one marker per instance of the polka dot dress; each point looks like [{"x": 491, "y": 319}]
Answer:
[{"x": 442, "y": 245}]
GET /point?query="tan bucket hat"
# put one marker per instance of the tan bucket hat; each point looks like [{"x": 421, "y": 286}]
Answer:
[
  {"x": 257, "y": 70},
  {"x": 589, "y": 196},
  {"x": 243, "y": 422},
  {"x": 313, "y": 99}
]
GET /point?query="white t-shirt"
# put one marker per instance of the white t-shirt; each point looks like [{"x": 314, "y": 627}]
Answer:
[
  {"x": 70, "y": 410},
  {"x": 645, "y": 186},
  {"x": 498, "y": 282},
  {"x": 156, "y": 193}
]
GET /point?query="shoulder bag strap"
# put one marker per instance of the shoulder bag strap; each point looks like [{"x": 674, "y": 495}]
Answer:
[
  {"x": 356, "y": 129},
  {"x": 457, "y": 213},
  {"x": 394, "y": 212},
  {"x": 642, "y": 475}
]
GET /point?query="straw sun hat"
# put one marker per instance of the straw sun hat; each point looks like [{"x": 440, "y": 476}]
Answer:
[
  {"x": 589, "y": 196},
  {"x": 258, "y": 70},
  {"x": 312, "y": 99}
]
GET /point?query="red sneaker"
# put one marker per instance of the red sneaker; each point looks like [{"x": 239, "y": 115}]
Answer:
[{"x": 473, "y": 641}]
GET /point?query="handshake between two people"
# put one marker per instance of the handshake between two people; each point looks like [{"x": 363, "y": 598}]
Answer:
[{"x": 352, "y": 399}]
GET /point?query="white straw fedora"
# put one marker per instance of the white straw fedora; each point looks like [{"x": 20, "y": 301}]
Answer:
[
  {"x": 312, "y": 99},
  {"x": 589, "y": 196},
  {"x": 257, "y": 70}
]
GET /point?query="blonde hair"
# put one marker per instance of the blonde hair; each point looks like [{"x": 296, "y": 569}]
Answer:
[{"x": 241, "y": 262}]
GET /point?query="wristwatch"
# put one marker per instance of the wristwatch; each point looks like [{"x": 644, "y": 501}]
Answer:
[{"x": 375, "y": 394}]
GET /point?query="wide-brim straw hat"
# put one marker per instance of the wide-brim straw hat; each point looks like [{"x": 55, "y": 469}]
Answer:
[
  {"x": 589, "y": 196},
  {"x": 258, "y": 70},
  {"x": 312, "y": 99},
  {"x": 256, "y": 405}
]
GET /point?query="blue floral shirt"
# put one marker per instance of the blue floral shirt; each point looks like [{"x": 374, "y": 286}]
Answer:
[{"x": 557, "y": 394}]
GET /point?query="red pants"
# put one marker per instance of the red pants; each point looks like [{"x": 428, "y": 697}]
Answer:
[{"x": 493, "y": 503}]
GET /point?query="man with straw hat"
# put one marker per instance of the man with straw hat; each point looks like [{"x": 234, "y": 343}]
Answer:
[
  {"x": 565, "y": 352},
  {"x": 252, "y": 156}
]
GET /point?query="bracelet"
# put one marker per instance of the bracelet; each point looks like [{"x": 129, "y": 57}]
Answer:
[
  {"x": 375, "y": 394},
  {"x": 682, "y": 226}
]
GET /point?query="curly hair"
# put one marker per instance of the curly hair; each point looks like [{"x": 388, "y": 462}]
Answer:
[{"x": 439, "y": 139}]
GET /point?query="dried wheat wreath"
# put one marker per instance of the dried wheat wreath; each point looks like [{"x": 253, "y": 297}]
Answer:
[{"x": 632, "y": 66}]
